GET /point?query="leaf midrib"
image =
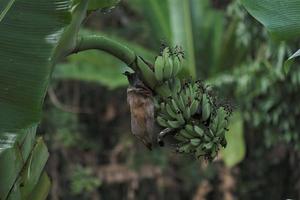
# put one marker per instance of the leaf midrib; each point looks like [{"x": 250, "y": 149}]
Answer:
[{"x": 6, "y": 9}]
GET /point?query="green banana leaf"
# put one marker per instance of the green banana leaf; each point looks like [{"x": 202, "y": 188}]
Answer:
[
  {"x": 289, "y": 62},
  {"x": 280, "y": 17},
  {"x": 34, "y": 35},
  {"x": 41, "y": 190}
]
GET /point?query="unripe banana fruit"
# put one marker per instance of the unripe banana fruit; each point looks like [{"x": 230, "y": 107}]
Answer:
[
  {"x": 167, "y": 65},
  {"x": 199, "y": 124},
  {"x": 186, "y": 109}
]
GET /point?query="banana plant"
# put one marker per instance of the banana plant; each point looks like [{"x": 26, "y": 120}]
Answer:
[{"x": 37, "y": 34}]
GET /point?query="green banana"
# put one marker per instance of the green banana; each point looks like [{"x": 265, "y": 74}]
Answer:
[
  {"x": 220, "y": 122},
  {"x": 211, "y": 134},
  {"x": 194, "y": 106},
  {"x": 180, "y": 138},
  {"x": 179, "y": 117},
  {"x": 186, "y": 134},
  {"x": 195, "y": 141},
  {"x": 196, "y": 88},
  {"x": 189, "y": 129},
  {"x": 205, "y": 107},
  {"x": 177, "y": 85},
  {"x": 162, "y": 122},
  {"x": 166, "y": 117},
  {"x": 181, "y": 104},
  {"x": 177, "y": 65},
  {"x": 175, "y": 97},
  {"x": 216, "y": 139},
  {"x": 198, "y": 130},
  {"x": 174, "y": 105},
  {"x": 171, "y": 112},
  {"x": 163, "y": 108},
  {"x": 188, "y": 93},
  {"x": 207, "y": 138},
  {"x": 185, "y": 98},
  {"x": 187, "y": 113},
  {"x": 158, "y": 68},
  {"x": 192, "y": 92},
  {"x": 199, "y": 95},
  {"x": 208, "y": 146},
  {"x": 168, "y": 68},
  {"x": 174, "y": 124},
  {"x": 147, "y": 73},
  {"x": 220, "y": 133}
]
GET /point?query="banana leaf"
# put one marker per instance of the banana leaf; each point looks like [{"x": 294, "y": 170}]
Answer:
[
  {"x": 34, "y": 35},
  {"x": 41, "y": 190},
  {"x": 280, "y": 17}
]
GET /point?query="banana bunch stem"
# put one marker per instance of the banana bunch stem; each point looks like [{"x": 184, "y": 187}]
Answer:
[
  {"x": 100, "y": 42},
  {"x": 118, "y": 50}
]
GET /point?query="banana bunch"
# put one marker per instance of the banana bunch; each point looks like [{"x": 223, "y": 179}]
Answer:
[
  {"x": 181, "y": 104},
  {"x": 198, "y": 123},
  {"x": 167, "y": 65},
  {"x": 185, "y": 109},
  {"x": 204, "y": 140}
]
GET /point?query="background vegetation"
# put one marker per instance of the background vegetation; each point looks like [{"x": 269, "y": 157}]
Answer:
[{"x": 86, "y": 119}]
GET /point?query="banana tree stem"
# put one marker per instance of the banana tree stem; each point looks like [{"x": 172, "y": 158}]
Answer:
[{"x": 107, "y": 45}]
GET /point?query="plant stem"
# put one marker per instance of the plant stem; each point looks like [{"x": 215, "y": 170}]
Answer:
[
  {"x": 121, "y": 52},
  {"x": 105, "y": 44}
]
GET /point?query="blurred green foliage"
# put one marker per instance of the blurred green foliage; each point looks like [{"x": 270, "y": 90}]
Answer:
[
  {"x": 83, "y": 181},
  {"x": 235, "y": 150},
  {"x": 272, "y": 109}
]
